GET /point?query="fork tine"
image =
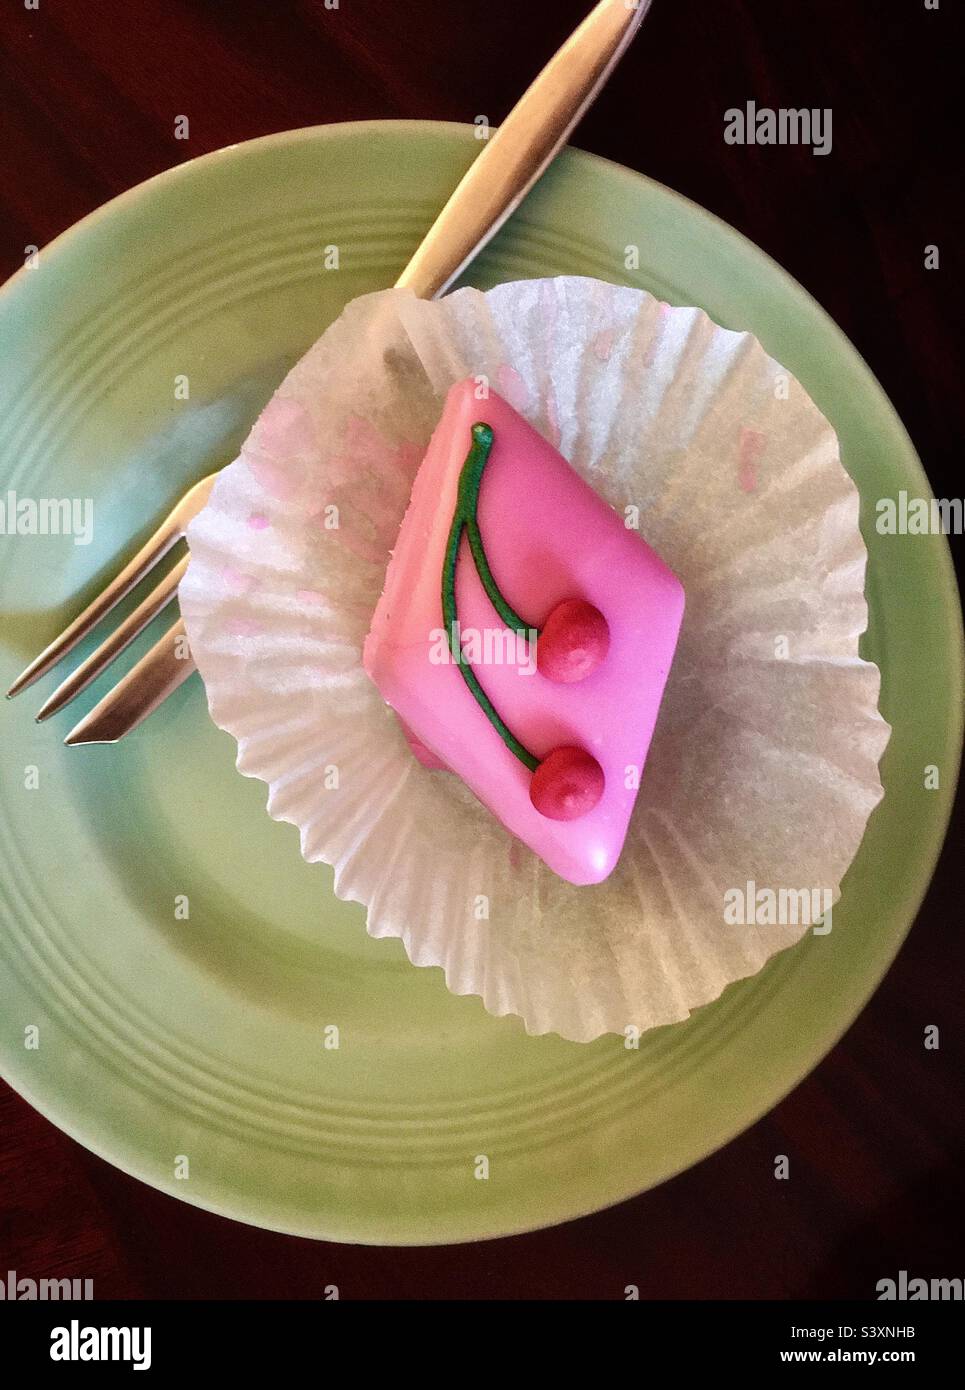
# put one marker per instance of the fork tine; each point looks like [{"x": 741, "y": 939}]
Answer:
[
  {"x": 160, "y": 671},
  {"x": 122, "y": 636},
  {"x": 167, "y": 534}
]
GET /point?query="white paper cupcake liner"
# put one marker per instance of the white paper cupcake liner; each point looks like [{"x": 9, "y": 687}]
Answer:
[{"x": 764, "y": 765}]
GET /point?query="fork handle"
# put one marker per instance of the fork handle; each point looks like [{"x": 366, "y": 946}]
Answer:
[{"x": 538, "y": 125}]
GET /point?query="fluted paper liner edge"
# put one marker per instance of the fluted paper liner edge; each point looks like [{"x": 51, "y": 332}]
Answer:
[{"x": 763, "y": 768}]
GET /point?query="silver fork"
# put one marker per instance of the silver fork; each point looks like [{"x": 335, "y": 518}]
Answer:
[
  {"x": 171, "y": 530},
  {"x": 490, "y": 191}
]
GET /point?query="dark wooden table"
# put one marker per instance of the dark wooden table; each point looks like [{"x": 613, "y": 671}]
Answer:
[{"x": 877, "y": 1133}]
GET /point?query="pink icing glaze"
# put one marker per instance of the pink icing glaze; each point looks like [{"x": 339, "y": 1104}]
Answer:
[
  {"x": 236, "y": 581},
  {"x": 512, "y": 386},
  {"x": 549, "y": 538},
  {"x": 749, "y": 450},
  {"x": 603, "y": 344},
  {"x": 425, "y": 755},
  {"x": 282, "y": 433},
  {"x": 553, "y": 416}
]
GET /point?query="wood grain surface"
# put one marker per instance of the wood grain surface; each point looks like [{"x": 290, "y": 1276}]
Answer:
[{"x": 877, "y": 1134}]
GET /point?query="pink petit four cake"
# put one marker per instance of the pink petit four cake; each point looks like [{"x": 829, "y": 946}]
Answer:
[{"x": 524, "y": 635}]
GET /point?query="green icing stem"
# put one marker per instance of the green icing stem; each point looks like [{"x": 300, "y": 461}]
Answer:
[
  {"x": 509, "y": 616},
  {"x": 467, "y": 501}
]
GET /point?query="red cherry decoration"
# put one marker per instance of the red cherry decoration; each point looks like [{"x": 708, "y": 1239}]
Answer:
[
  {"x": 567, "y": 784},
  {"x": 573, "y": 642}
]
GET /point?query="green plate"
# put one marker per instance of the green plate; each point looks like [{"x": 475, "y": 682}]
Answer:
[{"x": 163, "y": 1037}]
